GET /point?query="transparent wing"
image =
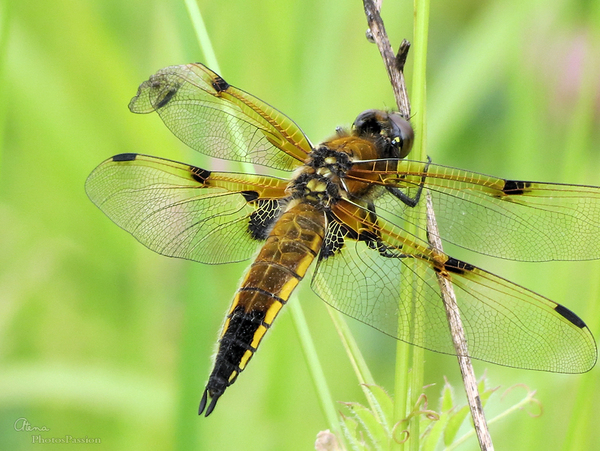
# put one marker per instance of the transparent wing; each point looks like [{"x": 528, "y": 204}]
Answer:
[
  {"x": 378, "y": 274},
  {"x": 219, "y": 120},
  {"x": 511, "y": 219},
  {"x": 183, "y": 211}
]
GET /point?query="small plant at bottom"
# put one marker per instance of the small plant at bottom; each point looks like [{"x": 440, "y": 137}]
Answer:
[{"x": 372, "y": 427}]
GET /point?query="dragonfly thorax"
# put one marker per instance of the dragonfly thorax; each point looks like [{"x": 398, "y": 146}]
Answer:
[
  {"x": 318, "y": 181},
  {"x": 315, "y": 188},
  {"x": 328, "y": 162}
]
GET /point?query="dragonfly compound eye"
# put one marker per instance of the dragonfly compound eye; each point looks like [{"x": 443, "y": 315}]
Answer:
[
  {"x": 401, "y": 134},
  {"x": 396, "y": 131}
]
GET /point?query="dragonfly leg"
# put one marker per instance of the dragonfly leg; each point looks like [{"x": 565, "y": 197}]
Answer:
[
  {"x": 384, "y": 249},
  {"x": 405, "y": 198}
]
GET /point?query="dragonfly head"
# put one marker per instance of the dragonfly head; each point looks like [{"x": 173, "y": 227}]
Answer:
[{"x": 395, "y": 132}]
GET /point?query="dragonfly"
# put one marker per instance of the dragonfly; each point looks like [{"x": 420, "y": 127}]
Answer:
[{"x": 352, "y": 209}]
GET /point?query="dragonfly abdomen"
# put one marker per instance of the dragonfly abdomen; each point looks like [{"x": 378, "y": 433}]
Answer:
[{"x": 282, "y": 262}]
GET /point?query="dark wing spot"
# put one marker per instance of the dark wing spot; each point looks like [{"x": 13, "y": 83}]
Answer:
[
  {"x": 456, "y": 266},
  {"x": 262, "y": 219},
  {"x": 166, "y": 98},
  {"x": 125, "y": 157},
  {"x": 249, "y": 196},
  {"x": 219, "y": 84},
  {"x": 333, "y": 242},
  {"x": 515, "y": 187},
  {"x": 569, "y": 315},
  {"x": 200, "y": 175},
  {"x": 335, "y": 237}
]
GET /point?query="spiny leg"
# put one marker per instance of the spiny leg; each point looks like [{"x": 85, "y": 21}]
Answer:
[{"x": 411, "y": 201}]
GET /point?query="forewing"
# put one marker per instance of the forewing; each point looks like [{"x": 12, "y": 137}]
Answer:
[
  {"x": 219, "y": 120},
  {"x": 511, "y": 219},
  {"x": 183, "y": 211},
  {"x": 392, "y": 286}
]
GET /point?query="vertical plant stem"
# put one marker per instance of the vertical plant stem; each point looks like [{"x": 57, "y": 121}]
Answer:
[
  {"x": 459, "y": 339},
  {"x": 419, "y": 152},
  {"x": 409, "y": 359},
  {"x": 314, "y": 366},
  {"x": 359, "y": 365},
  {"x": 419, "y": 87},
  {"x": 419, "y": 105},
  {"x": 202, "y": 35}
]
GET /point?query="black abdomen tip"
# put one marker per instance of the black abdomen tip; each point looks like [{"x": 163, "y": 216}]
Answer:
[{"x": 204, "y": 400}]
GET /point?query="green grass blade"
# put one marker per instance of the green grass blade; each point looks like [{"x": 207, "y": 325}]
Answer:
[
  {"x": 314, "y": 365},
  {"x": 202, "y": 35},
  {"x": 410, "y": 359}
]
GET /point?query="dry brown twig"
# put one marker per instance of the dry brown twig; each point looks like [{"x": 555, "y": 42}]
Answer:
[{"x": 395, "y": 65}]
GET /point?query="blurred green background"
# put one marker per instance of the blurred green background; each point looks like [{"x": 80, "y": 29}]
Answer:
[{"x": 100, "y": 337}]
